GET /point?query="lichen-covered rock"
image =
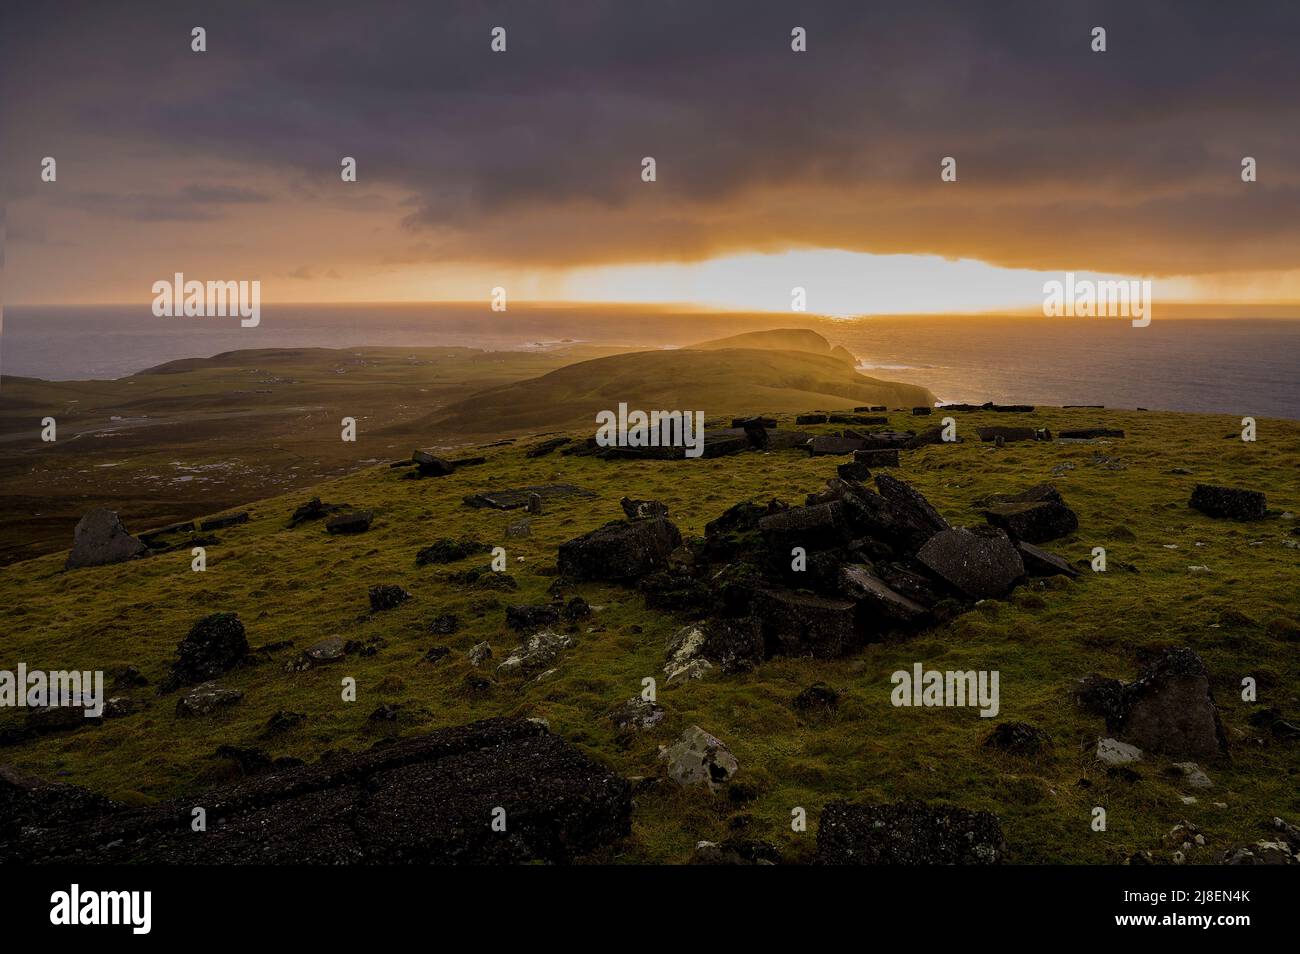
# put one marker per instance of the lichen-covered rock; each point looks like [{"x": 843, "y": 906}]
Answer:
[
  {"x": 1019, "y": 738},
  {"x": 1228, "y": 502},
  {"x": 907, "y": 833},
  {"x": 534, "y": 654},
  {"x": 387, "y": 596},
  {"x": 206, "y": 699},
  {"x": 423, "y": 800},
  {"x": 698, "y": 758}
]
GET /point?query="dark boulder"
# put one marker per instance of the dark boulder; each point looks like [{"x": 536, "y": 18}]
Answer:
[
  {"x": 429, "y": 465},
  {"x": 387, "y": 596},
  {"x": 1169, "y": 709},
  {"x": 358, "y": 521},
  {"x": 447, "y": 550},
  {"x": 526, "y": 616},
  {"x": 920, "y": 411},
  {"x": 814, "y": 528},
  {"x": 879, "y": 607},
  {"x": 215, "y": 645},
  {"x": 101, "y": 539},
  {"x": 804, "y": 624},
  {"x": 1007, "y": 434},
  {"x": 829, "y": 445},
  {"x": 619, "y": 550},
  {"x": 1100, "y": 696},
  {"x": 1033, "y": 522},
  {"x": 806, "y": 419},
  {"x": 854, "y": 471},
  {"x": 886, "y": 440},
  {"x": 226, "y": 520},
  {"x": 907, "y": 833},
  {"x": 1040, "y": 562},
  {"x": 313, "y": 509},
  {"x": 1019, "y": 738},
  {"x": 982, "y": 566},
  {"x": 1229, "y": 502}
]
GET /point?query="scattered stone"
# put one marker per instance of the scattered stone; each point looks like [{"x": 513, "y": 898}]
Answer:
[
  {"x": 1191, "y": 774},
  {"x": 534, "y": 505},
  {"x": 698, "y": 758},
  {"x": 1090, "y": 433},
  {"x": 1035, "y": 515},
  {"x": 321, "y": 653},
  {"x": 314, "y": 509},
  {"x": 519, "y": 529},
  {"x": 576, "y": 609},
  {"x": 446, "y": 550},
  {"x": 387, "y": 596},
  {"x": 444, "y": 624},
  {"x": 637, "y": 715},
  {"x": 1019, "y": 738},
  {"x": 387, "y": 712},
  {"x": 531, "y": 616},
  {"x": 907, "y": 833},
  {"x": 215, "y": 645},
  {"x": 100, "y": 539},
  {"x": 437, "y": 654},
  {"x": 1112, "y": 752},
  {"x": 547, "y": 446},
  {"x": 886, "y": 440},
  {"x": 358, "y": 521},
  {"x": 829, "y": 445},
  {"x": 483, "y": 578},
  {"x": 206, "y": 699},
  {"x": 918, "y": 411},
  {"x": 227, "y": 520},
  {"x": 1007, "y": 434},
  {"x": 479, "y": 653},
  {"x": 619, "y": 550},
  {"x": 1228, "y": 502},
  {"x": 806, "y": 419},
  {"x": 1100, "y": 696},
  {"x": 517, "y": 498},
  {"x": 879, "y": 607},
  {"x": 429, "y": 465}
]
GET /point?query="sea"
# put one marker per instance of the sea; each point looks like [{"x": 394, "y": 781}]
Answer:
[{"x": 1239, "y": 366}]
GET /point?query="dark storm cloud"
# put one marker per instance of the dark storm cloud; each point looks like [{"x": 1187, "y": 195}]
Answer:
[{"x": 1127, "y": 160}]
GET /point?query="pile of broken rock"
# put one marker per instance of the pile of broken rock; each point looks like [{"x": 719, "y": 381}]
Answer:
[{"x": 851, "y": 566}]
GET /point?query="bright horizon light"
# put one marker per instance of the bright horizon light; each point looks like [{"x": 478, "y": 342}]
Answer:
[{"x": 837, "y": 283}]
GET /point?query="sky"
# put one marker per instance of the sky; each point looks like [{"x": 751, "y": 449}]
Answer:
[{"x": 774, "y": 168}]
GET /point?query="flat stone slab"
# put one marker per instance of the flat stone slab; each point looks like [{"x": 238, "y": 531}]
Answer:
[
  {"x": 423, "y": 800},
  {"x": 515, "y": 498}
]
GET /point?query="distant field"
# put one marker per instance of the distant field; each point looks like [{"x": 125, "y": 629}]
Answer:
[
  {"x": 302, "y": 585},
  {"x": 199, "y": 435}
]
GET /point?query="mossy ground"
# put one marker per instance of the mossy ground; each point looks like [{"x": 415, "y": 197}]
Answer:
[{"x": 303, "y": 585}]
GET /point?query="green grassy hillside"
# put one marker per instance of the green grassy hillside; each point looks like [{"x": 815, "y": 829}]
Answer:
[
  {"x": 302, "y": 585},
  {"x": 755, "y": 379}
]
